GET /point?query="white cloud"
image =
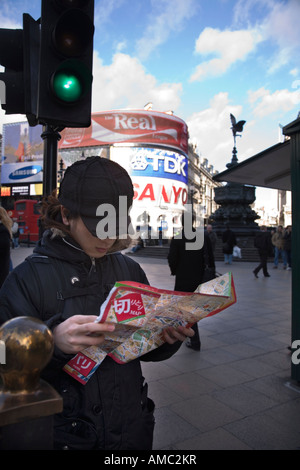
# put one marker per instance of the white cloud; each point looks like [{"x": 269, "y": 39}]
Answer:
[
  {"x": 282, "y": 28},
  {"x": 168, "y": 17},
  {"x": 279, "y": 26},
  {"x": 295, "y": 72},
  {"x": 125, "y": 84},
  {"x": 282, "y": 24},
  {"x": 104, "y": 11},
  {"x": 264, "y": 102},
  {"x": 228, "y": 46},
  {"x": 11, "y": 14}
]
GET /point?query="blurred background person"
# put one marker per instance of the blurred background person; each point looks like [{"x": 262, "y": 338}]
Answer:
[
  {"x": 288, "y": 246},
  {"x": 15, "y": 233},
  {"x": 212, "y": 236},
  {"x": 278, "y": 243},
  {"x": 264, "y": 245},
  {"x": 188, "y": 266},
  {"x": 5, "y": 243},
  {"x": 229, "y": 241}
]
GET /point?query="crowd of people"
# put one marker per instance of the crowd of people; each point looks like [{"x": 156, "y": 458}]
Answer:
[{"x": 273, "y": 244}]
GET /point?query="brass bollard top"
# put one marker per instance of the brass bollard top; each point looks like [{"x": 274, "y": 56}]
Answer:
[{"x": 29, "y": 346}]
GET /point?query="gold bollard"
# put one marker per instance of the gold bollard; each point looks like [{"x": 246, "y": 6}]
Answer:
[{"x": 27, "y": 403}]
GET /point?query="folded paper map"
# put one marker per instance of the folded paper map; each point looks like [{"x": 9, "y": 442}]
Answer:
[{"x": 141, "y": 312}]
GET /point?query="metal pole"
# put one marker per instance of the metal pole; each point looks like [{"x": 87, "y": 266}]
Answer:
[
  {"x": 51, "y": 137},
  {"x": 293, "y": 130}
]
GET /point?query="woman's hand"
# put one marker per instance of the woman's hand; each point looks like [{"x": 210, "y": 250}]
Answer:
[
  {"x": 79, "y": 332},
  {"x": 171, "y": 334}
]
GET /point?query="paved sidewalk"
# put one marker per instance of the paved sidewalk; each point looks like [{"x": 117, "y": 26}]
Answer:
[{"x": 237, "y": 392}]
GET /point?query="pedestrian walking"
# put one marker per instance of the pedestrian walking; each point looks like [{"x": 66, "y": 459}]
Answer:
[
  {"x": 64, "y": 283},
  {"x": 264, "y": 245},
  {"x": 288, "y": 246},
  {"x": 212, "y": 236},
  {"x": 278, "y": 243},
  {"x": 229, "y": 241},
  {"x": 15, "y": 233}
]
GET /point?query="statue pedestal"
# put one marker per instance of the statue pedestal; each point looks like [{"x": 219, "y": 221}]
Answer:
[{"x": 234, "y": 200}]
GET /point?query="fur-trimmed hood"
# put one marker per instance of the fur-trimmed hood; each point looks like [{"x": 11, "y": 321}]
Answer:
[{"x": 57, "y": 244}]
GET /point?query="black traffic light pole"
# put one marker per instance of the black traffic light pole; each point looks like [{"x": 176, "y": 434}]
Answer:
[
  {"x": 51, "y": 136},
  {"x": 48, "y": 73},
  {"x": 65, "y": 76}
]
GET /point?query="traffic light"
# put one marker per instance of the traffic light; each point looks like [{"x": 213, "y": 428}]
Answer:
[
  {"x": 65, "y": 66},
  {"x": 19, "y": 54}
]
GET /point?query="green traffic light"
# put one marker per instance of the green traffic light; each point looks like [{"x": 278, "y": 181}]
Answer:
[{"x": 67, "y": 86}]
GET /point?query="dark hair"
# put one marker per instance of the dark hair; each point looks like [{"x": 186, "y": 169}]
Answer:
[{"x": 51, "y": 213}]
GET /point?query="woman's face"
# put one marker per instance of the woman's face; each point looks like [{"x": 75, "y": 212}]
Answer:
[{"x": 92, "y": 246}]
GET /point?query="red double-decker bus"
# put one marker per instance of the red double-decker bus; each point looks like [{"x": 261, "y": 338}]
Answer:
[{"x": 27, "y": 213}]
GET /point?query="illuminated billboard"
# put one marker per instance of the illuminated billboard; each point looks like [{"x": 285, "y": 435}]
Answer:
[
  {"x": 22, "y": 154},
  {"x": 134, "y": 126},
  {"x": 160, "y": 181}
]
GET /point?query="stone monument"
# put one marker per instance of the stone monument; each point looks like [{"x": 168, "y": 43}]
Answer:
[{"x": 234, "y": 199}]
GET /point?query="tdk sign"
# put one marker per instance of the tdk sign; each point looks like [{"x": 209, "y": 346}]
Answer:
[
  {"x": 160, "y": 163},
  {"x": 25, "y": 172}
]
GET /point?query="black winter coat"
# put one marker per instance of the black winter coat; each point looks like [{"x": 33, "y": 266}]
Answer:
[
  {"x": 112, "y": 410},
  {"x": 229, "y": 241},
  {"x": 263, "y": 242},
  {"x": 287, "y": 241},
  {"x": 188, "y": 265}
]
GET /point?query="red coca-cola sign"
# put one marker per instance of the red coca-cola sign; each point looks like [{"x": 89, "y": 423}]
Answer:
[{"x": 144, "y": 127}]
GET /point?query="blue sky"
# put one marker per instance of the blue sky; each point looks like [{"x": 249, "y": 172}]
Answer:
[{"x": 202, "y": 59}]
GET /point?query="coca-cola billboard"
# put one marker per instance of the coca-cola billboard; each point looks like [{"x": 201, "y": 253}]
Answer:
[{"x": 142, "y": 127}]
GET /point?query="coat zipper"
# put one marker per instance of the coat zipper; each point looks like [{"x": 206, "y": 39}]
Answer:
[{"x": 93, "y": 266}]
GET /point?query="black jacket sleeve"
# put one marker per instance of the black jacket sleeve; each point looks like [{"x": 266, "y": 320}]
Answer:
[
  {"x": 18, "y": 298},
  {"x": 15, "y": 298}
]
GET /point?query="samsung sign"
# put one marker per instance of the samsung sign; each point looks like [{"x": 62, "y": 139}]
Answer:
[
  {"x": 151, "y": 162},
  {"x": 25, "y": 172},
  {"x": 22, "y": 173}
]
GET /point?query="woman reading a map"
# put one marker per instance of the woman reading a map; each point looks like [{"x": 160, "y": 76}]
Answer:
[{"x": 64, "y": 283}]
